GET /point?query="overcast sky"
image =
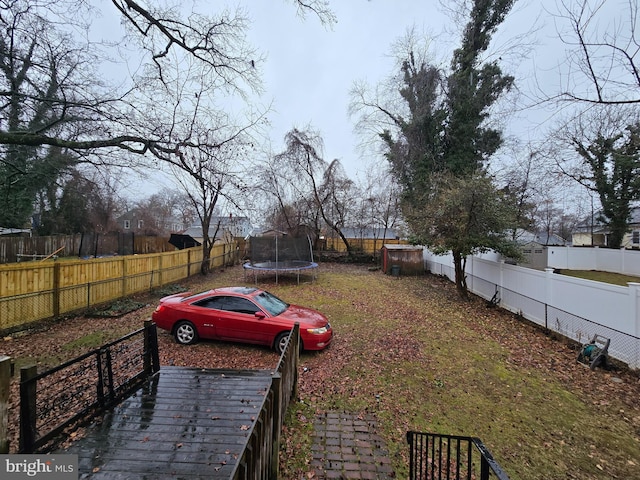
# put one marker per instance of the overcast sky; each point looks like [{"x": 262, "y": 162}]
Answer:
[{"x": 310, "y": 69}]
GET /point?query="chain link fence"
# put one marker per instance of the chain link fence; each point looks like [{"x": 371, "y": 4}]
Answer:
[{"x": 624, "y": 347}]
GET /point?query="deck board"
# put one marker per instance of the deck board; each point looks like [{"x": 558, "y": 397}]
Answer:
[{"x": 183, "y": 423}]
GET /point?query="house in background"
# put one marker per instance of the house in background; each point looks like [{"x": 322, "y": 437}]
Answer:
[
  {"x": 143, "y": 222},
  {"x": 236, "y": 227},
  {"x": 15, "y": 231},
  {"x": 592, "y": 232},
  {"x": 272, "y": 233},
  {"x": 534, "y": 246}
]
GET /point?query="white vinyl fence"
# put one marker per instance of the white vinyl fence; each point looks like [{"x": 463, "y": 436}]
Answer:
[
  {"x": 575, "y": 308},
  {"x": 602, "y": 259}
]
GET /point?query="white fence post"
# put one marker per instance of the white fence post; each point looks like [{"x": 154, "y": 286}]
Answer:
[
  {"x": 634, "y": 311},
  {"x": 548, "y": 294}
]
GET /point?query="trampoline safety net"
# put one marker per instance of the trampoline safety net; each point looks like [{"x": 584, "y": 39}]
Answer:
[{"x": 280, "y": 251}]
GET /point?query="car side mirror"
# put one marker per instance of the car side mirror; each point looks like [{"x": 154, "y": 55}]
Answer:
[{"x": 260, "y": 315}]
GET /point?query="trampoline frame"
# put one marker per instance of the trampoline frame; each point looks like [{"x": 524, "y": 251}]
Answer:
[{"x": 278, "y": 267}]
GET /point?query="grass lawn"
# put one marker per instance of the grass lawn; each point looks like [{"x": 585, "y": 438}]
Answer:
[
  {"x": 606, "y": 277},
  {"x": 410, "y": 352}
]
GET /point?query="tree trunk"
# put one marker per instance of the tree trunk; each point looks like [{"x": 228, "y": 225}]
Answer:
[
  {"x": 207, "y": 245},
  {"x": 460, "y": 262},
  {"x": 619, "y": 228},
  {"x": 205, "y": 266},
  {"x": 346, "y": 243}
]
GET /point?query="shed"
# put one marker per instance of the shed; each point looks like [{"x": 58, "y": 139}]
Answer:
[{"x": 409, "y": 259}]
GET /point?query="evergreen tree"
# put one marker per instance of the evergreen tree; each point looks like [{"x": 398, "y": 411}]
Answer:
[
  {"x": 613, "y": 165},
  {"x": 446, "y": 137}
]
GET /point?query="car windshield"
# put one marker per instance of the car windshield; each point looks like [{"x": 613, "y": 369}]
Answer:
[{"x": 271, "y": 303}]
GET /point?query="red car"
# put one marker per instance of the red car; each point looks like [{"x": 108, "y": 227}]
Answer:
[{"x": 240, "y": 314}]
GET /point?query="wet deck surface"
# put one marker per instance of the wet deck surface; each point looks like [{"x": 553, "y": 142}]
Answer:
[{"x": 183, "y": 423}]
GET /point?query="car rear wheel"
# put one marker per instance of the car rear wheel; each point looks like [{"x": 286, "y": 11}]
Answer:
[{"x": 185, "y": 333}]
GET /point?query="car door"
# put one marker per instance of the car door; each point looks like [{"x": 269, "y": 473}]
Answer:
[
  {"x": 238, "y": 321},
  {"x": 205, "y": 315}
]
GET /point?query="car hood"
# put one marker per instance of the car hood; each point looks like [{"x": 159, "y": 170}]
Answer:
[{"x": 303, "y": 315}]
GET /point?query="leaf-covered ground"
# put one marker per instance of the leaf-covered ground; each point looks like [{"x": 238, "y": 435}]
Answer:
[{"x": 410, "y": 353}]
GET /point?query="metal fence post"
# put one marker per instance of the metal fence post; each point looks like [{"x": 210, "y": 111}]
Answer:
[
  {"x": 28, "y": 412},
  {"x": 5, "y": 384},
  {"x": 151, "y": 355}
]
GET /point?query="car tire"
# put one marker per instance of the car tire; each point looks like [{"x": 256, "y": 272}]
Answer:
[
  {"x": 185, "y": 333},
  {"x": 281, "y": 341}
]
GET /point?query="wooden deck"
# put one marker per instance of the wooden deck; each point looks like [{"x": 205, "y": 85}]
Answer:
[{"x": 183, "y": 423}]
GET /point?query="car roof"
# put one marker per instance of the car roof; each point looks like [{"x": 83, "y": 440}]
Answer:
[
  {"x": 236, "y": 290},
  {"x": 194, "y": 297}
]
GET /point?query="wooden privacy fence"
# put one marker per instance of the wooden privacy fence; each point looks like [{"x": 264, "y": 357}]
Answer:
[
  {"x": 370, "y": 246},
  {"x": 35, "y": 291},
  {"x": 23, "y": 249}
]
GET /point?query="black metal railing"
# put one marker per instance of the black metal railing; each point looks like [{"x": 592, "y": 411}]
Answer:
[
  {"x": 61, "y": 397},
  {"x": 450, "y": 457}
]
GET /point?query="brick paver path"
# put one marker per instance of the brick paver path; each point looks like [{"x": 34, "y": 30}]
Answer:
[{"x": 346, "y": 446}]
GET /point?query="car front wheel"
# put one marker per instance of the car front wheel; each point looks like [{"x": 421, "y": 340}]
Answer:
[
  {"x": 185, "y": 333},
  {"x": 281, "y": 342}
]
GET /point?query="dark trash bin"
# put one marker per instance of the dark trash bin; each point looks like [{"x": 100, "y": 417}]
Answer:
[{"x": 395, "y": 270}]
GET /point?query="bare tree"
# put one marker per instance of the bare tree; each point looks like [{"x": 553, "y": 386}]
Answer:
[
  {"x": 54, "y": 96},
  {"x": 288, "y": 207},
  {"x": 335, "y": 200},
  {"x": 165, "y": 212},
  {"x": 602, "y": 65},
  {"x": 529, "y": 182},
  {"x": 209, "y": 175},
  {"x": 379, "y": 203},
  {"x": 305, "y": 188}
]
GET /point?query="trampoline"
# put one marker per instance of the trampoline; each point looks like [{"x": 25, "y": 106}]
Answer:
[{"x": 275, "y": 256}]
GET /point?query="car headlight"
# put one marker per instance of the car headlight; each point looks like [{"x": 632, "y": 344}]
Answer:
[{"x": 317, "y": 331}]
